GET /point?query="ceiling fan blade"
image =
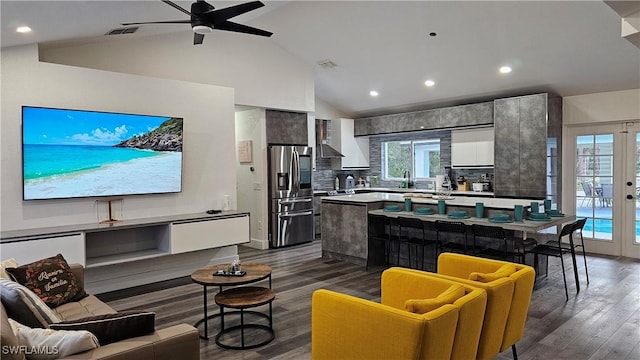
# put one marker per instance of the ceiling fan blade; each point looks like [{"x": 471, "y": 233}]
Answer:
[
  {"x": 232, "y": 11},
  {"x": 176, "y": 6},
  {"x": 159, "y": 22},
  {"x": 197, "y": 38},
  {"x": 231, "y": 26}
]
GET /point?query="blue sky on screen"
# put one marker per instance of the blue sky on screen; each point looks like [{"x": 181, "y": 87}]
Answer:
[{"x": 76, "y": 127}]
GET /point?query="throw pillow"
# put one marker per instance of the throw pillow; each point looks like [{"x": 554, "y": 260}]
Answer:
[
  {"x": 421, "y": 306},
  {"x": 9, "y": 263},
  {"x": 110, "y": 328},
  {"x": 51, "y": 279},
  {"x": 24, "y": 306},
  {"x": 503, "y": 271},
  {"x": 47, "y": 344}
]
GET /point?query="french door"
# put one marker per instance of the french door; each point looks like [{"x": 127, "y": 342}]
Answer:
[{"x": 604, "y": 168}]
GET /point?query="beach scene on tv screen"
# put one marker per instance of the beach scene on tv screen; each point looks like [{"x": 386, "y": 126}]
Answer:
[{"x": 73, "y": 153}]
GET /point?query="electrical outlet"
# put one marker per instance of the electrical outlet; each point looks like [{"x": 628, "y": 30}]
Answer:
[
  {"x": 257, "y": 186},
  {"x": 259, "y": 225}
]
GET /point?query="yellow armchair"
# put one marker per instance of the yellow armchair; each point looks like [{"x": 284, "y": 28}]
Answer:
[
  {"x": 508, "y": 299},
  {"x": 347, "y": 327}
]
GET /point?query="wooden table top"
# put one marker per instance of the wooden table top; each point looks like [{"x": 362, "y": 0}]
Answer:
[
  {"x": 254, "y": 272},
  {"x": 245, "y": 297}
]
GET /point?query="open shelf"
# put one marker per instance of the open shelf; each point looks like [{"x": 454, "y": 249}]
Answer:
[
  {"x": 124, "y": 257},
  {"x": 127, "y": 244}
]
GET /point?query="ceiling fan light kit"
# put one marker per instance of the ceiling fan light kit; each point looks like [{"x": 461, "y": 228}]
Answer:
[
  {"x": 204, "y": 19},
  {"x": 202, "y": 29}
]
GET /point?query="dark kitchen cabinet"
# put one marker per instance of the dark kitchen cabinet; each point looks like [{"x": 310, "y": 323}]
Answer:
[
  {"x": 444, "y": 118},
  {"x": 286, "y": 128},
  {"x": 523, "y": 139},
  {"x": 467, "y": 115}
]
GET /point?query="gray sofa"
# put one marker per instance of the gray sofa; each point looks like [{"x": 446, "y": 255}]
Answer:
[{"x": 176, "y": 342}]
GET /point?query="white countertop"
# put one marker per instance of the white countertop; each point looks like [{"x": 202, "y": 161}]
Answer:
[
  {"x": 457, "y": 200},
  {"x": 411, "y": 190}
]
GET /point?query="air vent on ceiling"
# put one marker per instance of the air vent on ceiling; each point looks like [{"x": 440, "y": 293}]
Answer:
[
  {"x": 327, "y": 64},
  {"x": 120, "y": 31}
]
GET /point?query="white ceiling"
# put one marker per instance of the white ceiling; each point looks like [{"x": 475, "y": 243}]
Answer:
[{"x": 564, "y": 47}]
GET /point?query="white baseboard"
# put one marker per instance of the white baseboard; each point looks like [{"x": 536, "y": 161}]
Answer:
[{"x": 258, "y": 244}]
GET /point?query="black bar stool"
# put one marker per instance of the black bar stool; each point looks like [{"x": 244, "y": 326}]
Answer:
[
  {"x": 412, "y": 233},
  {"x": 450, "y": 227}
]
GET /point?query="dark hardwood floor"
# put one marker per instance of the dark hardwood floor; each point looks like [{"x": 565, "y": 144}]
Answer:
[{"x": 600, "y": 322}]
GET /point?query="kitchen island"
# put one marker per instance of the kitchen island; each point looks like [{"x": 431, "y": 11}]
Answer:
[{"x": 345, "y": 227}]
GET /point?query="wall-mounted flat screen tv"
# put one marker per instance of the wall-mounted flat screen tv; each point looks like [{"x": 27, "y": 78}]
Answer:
[{"x": 78, "y": 153}]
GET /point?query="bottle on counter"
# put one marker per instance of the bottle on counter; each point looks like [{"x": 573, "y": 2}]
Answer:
[
  {"x": 350, "y": 182},
  {"x": 336, "y": 183}
]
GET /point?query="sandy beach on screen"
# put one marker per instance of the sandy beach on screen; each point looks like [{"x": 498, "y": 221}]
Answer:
[{"x": 153, "y": 174}]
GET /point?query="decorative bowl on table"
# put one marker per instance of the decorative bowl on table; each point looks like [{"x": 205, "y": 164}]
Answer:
[
  {"x": 458, "y": 214},
  {"x": 538, "y": 217},
  {"x": 423, "y": 211},
  {"x": 392, "y": 208},
  {"x": 501, "y": 218},
  {"x": 554, "y": 213}
]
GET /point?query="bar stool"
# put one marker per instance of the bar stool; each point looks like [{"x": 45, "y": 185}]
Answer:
[
  {"x": 450, "y": 227},
  {"x": 555, "y": 249},
  {"x": 412, "y": 233},
  {"x": 578, "y": 228},
  {"x": 380, "y": 230},
  {"x": 496, "y": 235},
  {"x": 579, "y": 225}
]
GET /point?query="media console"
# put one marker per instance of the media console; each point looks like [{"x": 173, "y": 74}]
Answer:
[{"x": 122, "y": 252}]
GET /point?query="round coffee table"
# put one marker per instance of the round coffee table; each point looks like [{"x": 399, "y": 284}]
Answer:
[
  {"x": 242, "y": 298},
  {"x": 207, "y": 276}
]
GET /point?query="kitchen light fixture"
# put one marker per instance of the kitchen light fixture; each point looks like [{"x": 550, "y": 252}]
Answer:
[
  {"x": 23, "y": 29},
  {"x": 505, "y": 69},
  {"x": 429, "y": 83},
  {"x": 373, "y": 93}
]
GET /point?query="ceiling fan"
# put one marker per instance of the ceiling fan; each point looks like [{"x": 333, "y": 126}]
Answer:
[{"x": 204, "y": 19}]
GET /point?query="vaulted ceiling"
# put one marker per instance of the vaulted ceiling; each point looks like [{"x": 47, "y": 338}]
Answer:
[{"x": 564, "y": 47}]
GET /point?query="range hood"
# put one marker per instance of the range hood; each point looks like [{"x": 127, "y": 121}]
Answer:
[{"x": 326, "y": 151}]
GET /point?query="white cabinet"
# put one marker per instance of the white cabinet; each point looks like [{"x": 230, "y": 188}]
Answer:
[
  {"x": 127, "y": 241},
  {"x": 472, "y": 148},
  {"x": 205, "y": 234},
  {"x": 25, "y": 251},
  {"x": 354, "y": 149}
]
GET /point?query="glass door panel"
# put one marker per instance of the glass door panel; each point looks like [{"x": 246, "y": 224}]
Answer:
[
  {"x": 594, "y": 177},
  {"x": 635, "y": 190}
]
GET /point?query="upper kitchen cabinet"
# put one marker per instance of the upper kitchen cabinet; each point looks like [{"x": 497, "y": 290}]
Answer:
[
  {"x": 467, "y": 115},
  {"x": 472, "y": 148},
  {"x": 286, "y": 128},
  {"x": 445, "y": 118},
  {"x": 524, "y": 137},
  {"x": 354, "y": 149},
  {"x": 421, "y": 120}
]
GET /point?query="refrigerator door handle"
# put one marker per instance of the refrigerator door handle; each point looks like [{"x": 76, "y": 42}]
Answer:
[
  {"x": 295, "y": 171},
  {"x": 306, "y": 213},
  {"x": 295, "y": 201}
]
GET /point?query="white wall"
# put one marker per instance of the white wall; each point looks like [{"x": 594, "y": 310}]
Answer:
[
  {"x": 601, "y": 107},
  {"x": 262, "y": 73},
  {"x": 209, "y": 134},
  {"x": 325, "y": 111},
  {"x": 252, "y": 185}
]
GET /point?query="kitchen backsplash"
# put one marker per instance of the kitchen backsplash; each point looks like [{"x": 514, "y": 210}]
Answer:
[{"x": 324, "y": 176}]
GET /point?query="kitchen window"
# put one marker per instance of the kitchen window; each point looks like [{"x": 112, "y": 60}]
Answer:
[{"x": 420, "y": 157}]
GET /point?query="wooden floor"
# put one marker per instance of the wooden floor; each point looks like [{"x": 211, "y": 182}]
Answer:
[{"x": 601, "y": 322}]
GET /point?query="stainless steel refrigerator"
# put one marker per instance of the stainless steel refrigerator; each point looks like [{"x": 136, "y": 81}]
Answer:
[{"x": 291, "y": 195}]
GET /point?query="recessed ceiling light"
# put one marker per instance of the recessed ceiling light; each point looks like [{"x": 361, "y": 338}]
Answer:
[
  {"x": 505, "y": 69},
  {"x": 373, "y": 93},
  {"x": 429, "y": 83},
  {"x": 23, "y": 29}
]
